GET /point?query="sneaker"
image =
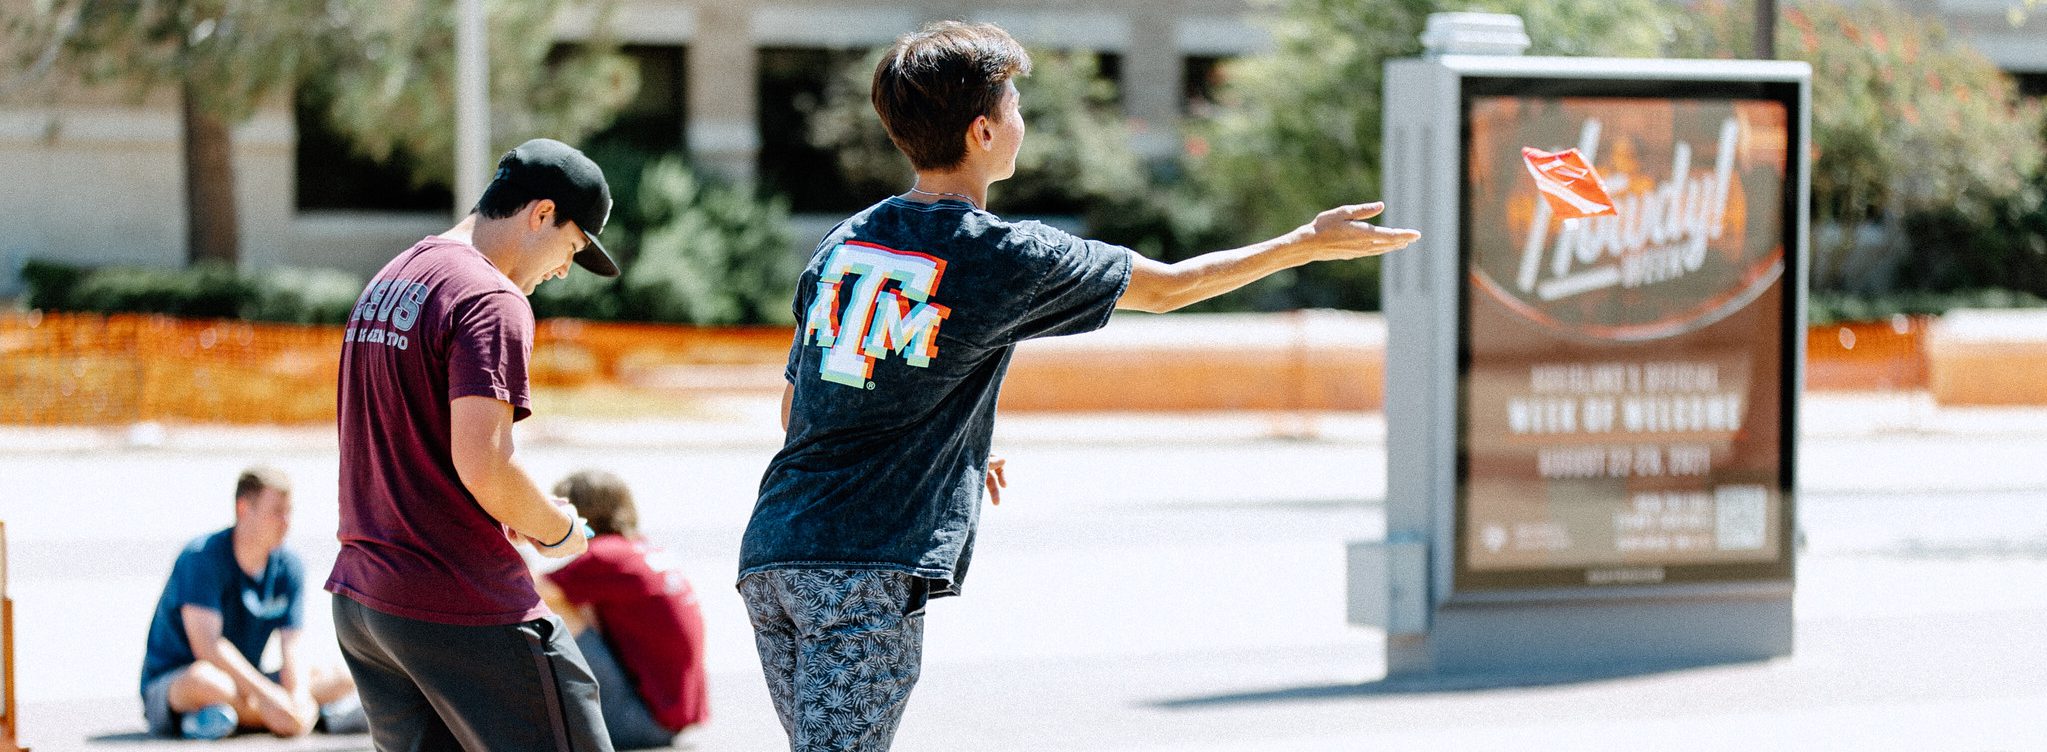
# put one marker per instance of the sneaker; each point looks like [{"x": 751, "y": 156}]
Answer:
[
  {"x": 343, "y": 716},
  {"x": 210, "y": 722}
]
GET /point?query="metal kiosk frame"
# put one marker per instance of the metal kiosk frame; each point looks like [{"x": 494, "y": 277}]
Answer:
[{"x": 1439, "y": 618}]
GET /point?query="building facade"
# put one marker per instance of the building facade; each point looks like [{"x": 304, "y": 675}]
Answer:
[
  {"x": 104, "y": 173},
  {"x": 98, "y": 177}
]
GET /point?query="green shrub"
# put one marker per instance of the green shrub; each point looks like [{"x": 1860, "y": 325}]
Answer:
[
  {"x": 1836, "y": 307},
  {"x": 709, "y": 254},
  {"x": 693, "y": 251},
  {"x": 49, "y": 284},
  {"x": 201, "y": 291},
  {"x": 303, "y": 296},
  {"x": 307, "y": 296}
]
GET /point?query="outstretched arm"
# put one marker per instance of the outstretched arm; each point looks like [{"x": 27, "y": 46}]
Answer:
[{"x": 1337, "y": 234}]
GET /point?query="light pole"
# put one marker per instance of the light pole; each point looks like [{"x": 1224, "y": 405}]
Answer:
[
  {"x": 472, "y": 105},
  {"x": 1766, "y": 29}
]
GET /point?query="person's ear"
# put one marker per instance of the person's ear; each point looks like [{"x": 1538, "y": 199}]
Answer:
[
  {"x": 541, "y": 216},
  {"x": 983, "y": 132}
]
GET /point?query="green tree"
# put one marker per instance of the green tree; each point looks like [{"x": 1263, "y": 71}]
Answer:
[
  {"x": 1911, "y": 128},
  {"x": 389, "y": 72},
  {"x": 222, "y": 59},
  {"x": 389, "y": 62},
  {"x": 1298, "y": 130}
]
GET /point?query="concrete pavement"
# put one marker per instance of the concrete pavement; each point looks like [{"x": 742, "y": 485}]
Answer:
[{"x": 1164, "y": 583}]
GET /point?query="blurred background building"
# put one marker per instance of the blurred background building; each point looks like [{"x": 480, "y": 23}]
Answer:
[
  {"x": 718, "y": 78},
  {"x": 94, "y": 177}
]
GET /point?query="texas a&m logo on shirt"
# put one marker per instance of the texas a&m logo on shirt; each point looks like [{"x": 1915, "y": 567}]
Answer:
[{"x": 861, "y": 320}]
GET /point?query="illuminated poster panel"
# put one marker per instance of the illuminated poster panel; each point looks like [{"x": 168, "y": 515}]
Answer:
[{"x": 1623, "y": 379}]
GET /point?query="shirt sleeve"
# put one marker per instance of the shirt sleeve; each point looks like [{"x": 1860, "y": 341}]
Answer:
[
  {"x": 492, "y": 342},
  {"x": 197, "y": 580},
  {"x": 295, "y": 591},
  {"x": 1079, "y": 282}
]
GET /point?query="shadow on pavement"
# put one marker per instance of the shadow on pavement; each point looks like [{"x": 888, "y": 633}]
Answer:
[
  {"x": 246, "y": 740},
  {"x": 1443, "y": 684}
]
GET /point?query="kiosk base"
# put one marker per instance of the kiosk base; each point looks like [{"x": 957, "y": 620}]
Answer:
[{"x": 1589, "y": 638}]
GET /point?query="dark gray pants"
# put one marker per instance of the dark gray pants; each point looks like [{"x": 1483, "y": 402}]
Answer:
[
  {"x": 510, "y": 688},
  {"x": 632, "y": 726}
]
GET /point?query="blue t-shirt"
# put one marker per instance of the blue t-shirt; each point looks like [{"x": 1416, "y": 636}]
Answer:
[
  {"x": 250, "y": 607},
  {"x": 907, "y": 316}
]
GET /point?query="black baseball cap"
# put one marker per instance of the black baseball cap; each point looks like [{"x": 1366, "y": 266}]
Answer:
[{"x": 549, "y": 169}]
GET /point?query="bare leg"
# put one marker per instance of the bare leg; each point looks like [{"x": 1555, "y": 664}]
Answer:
[
  {"x": 330, "y": 683},
  {"x": 200, "y": 685}
]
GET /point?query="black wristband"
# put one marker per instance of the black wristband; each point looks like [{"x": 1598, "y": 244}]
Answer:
[{"x": 565, "y": 537}]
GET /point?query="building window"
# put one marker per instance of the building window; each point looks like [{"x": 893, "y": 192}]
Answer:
[
  {"x": 333, "y": 175},
  {"x": 655, "y": 121},
  {"x": 1109, "y": 67},
  {"x": 1204, "y": 83},
  {"x": 792, "y": 84},
  {"x": 2032, "y": 83}
]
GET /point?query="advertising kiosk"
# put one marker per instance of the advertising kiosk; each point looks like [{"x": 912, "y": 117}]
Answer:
[{"x": 1591, "y": 424}]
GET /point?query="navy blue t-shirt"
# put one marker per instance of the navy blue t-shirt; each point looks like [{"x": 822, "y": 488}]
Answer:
[
  {"x": 250, "y": 607},
  {"x": 907, "y": 316}
]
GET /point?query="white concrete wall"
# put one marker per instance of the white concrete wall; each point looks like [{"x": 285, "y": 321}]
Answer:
[{"x": 104, "y": 185}]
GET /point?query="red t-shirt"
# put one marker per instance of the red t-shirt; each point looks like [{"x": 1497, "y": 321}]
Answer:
[
  {"x": 439, "y": 322},
  {"x": 649, "y": 616}
]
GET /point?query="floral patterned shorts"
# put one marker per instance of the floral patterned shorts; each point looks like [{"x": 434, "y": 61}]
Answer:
[{"x": 841, "y": 649}]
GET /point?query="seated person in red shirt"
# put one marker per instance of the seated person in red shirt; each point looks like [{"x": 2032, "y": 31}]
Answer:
[{"x": 634, "y": 616}]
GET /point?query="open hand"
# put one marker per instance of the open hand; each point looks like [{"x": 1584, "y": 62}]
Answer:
[{"x": 1343, "y": 233}]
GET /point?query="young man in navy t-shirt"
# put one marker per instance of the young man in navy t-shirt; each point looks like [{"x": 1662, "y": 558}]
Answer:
[
  {"x": 434, "y": 609},
  {"x": 908, "y": 313},
  {"x": 229, "y": 593}
]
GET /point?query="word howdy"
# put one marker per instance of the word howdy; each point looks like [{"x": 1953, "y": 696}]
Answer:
[
  {"x": 1654, "y": 236},
  {"x": 860, "y": 325}
]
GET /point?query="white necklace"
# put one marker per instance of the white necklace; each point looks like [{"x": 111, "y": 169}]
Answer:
[{"x": 961, "y": 196}]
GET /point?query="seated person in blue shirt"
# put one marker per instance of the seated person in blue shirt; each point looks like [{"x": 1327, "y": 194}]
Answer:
[{"x": 228, "y": 592}]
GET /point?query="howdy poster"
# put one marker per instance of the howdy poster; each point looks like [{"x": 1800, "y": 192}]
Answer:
[{"x": 1623, "y": 374}]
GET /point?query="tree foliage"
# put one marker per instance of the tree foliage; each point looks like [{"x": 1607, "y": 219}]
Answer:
[
  {"x": 1910, "y": 125},
  {"x": 1299, "y": 129},
  {"x": 387, "y": 67},
  {"x": 389, "y": 75},
  {"x": 245, "y": 52}
]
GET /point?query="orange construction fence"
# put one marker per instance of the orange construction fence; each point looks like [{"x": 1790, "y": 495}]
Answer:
[
  {"x": 1868, "y": 355},
  {"x": 87, "y": 369},
  {"x": 84, "y": 369}
]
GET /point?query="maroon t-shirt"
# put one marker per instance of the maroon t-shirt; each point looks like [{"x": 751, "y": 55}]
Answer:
[
  {"x": 439, "y": 322},
  {"x": 649, "y": 616}
]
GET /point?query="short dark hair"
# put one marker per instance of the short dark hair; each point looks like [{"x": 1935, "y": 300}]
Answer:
[
  {"x": 502, "y": 199},
  {"x": 603, "y": 499},
  {"x": 253, "y": 480},
  {"x": 935, "y": 81}
]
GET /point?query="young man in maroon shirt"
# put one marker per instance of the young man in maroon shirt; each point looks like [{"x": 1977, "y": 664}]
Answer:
[{"x": 434, "y": 609}]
